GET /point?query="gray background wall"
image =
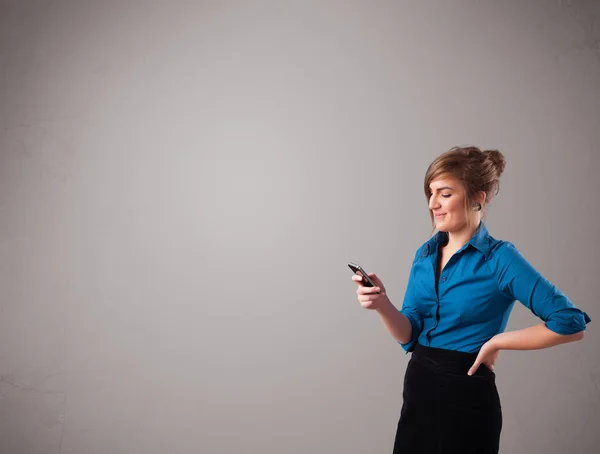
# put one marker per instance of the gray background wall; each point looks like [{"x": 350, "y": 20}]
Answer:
[{"x": 183, "y": 183}]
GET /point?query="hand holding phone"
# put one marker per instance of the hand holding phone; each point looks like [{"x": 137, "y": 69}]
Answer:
[
  {"x": 367, "y": 296},
  {"x": 366, "y": 280}
]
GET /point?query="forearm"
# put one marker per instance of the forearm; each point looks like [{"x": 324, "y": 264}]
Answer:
[
  {"x": 395, "y": 322},
  {"x": 532, "y": 338}
]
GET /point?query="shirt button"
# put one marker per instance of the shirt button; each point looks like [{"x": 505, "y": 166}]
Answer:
[{"x": 444, "y": 279}]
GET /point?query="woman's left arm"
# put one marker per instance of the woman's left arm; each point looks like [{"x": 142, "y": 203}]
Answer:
[
  {"x": 532, "y": 338},
  {"x": 518, "y": 279},
  {"x": 563, "y": 322}
]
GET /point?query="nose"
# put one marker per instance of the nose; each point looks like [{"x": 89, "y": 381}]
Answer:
[{"x": 433, "y": 203}]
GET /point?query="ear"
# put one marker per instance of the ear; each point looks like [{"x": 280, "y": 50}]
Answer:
[{"x": 482, "y": 197}]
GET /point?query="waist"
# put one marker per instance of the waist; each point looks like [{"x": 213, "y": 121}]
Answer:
[{"x": 452, "y": 361}]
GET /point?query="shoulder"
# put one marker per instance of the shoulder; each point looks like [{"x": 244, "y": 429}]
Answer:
[
  {"x": 504, "y": 254},
  {"x": 424, "y": 250},
  {"x": 502, "y": 249}
]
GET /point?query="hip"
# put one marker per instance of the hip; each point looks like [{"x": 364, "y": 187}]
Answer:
[{"x": 440, "y": 375}]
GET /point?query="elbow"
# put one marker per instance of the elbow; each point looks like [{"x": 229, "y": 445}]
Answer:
[
  {"x": 567, "y": 328},
  {"x": 572, "y": 337}
]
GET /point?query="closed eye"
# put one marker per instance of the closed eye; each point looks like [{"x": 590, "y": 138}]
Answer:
[{"x": 443, "y": 195}]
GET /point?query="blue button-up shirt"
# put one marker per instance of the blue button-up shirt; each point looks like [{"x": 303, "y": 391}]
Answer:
[{"x": 476, "y": 292}]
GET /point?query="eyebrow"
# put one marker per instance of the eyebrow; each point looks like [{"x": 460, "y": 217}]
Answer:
[{"x": 442, "y": 188}]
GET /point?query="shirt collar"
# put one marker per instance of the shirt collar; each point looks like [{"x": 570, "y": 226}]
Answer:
[{"x": 480, "y": 240}]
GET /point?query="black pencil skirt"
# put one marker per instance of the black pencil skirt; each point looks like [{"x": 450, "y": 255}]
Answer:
[{"x": 444, "y": 409}]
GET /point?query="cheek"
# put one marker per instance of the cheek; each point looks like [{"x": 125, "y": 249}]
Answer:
[{"x": 454, "y": 206}]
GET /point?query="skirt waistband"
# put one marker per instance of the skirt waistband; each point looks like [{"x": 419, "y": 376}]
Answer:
[{"x": 444, "y": 360}]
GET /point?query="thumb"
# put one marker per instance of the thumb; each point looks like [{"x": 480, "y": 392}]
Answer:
[{"x": 375, "y": 279}]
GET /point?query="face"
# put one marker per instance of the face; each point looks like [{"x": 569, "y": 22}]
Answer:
[{"x": 446, "y": 201}]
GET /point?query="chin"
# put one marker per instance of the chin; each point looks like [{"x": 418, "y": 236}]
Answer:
[
  {"x": 441, "y": 226},
  {"x": 445, "y": 226}
]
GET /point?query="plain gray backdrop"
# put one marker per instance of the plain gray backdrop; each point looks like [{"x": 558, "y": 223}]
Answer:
[{"x": 182, "y": 185}]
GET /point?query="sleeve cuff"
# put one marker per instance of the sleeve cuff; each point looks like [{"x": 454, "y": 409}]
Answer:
[
  {"x": 568, "y": 323},
  {"x": 410, "y": 345}
]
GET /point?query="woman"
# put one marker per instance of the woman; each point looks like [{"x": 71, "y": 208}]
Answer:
[{"x": 462, "y": 287}]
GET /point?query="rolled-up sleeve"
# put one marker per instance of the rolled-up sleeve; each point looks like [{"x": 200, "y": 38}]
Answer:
[
  {"x": 410, "y": 310},
  {"x": 519, "y": 279}
]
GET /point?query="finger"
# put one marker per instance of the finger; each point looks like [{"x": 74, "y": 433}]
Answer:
[
  {"x": 366, "y": 300},
  {"x": 359, "y": 280},
  {"x": 474, "y": 367},
  {"x": 363, "y": 290},
  {"x": 375, "y": 279}
]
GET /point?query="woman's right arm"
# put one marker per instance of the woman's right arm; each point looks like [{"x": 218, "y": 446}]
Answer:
[
  {"x": 395, "y": 322},
  {"x": 375, "y": 298}
]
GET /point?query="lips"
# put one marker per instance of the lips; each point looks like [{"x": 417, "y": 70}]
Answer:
[{"x": 439, "y": 215}]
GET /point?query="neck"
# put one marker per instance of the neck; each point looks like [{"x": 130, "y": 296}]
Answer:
[{"x": 459, "y": 238}]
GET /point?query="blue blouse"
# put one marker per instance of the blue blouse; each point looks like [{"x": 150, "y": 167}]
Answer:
[{"x": 476, "y": 292}]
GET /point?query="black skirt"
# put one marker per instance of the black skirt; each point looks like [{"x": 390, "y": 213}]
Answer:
[{"x": 444, "y": 409}]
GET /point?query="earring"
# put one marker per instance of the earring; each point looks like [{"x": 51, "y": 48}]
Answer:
[{"x": 477, "y": 207}]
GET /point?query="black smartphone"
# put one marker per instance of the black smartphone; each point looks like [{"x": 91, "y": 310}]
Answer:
[{"x": 367, "y": 282}]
